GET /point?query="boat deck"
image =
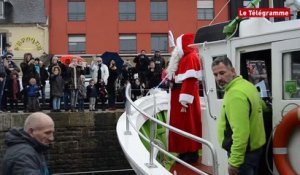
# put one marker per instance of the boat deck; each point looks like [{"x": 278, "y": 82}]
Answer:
[{"x": 182, "y": 170}]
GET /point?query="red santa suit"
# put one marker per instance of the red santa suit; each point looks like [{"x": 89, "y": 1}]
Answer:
[{"x": 185, "y": 92}]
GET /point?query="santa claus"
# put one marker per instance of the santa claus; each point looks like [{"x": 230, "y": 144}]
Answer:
[{"x": 184, "y": 71}]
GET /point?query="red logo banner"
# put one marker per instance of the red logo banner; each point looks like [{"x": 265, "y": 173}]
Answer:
[{"x": 264, "y": 12}]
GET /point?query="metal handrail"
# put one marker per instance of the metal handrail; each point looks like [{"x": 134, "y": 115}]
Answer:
[
  {"x": 93, "y": 172},
  {"x": 174, "y": 129}
]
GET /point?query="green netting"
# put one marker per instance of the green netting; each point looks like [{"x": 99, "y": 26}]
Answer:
[{"x": 160, "y": 139}]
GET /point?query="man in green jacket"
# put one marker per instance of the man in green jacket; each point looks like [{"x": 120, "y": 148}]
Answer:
[{"x": 240, "y": 125}]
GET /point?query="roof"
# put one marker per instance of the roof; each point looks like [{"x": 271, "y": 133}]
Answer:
[
  {"x": 24, "y": 12},
  {"x": 211, "y": 33}
]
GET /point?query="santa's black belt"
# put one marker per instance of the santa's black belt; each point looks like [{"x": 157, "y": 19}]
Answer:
[{"x": 176, "y": 86}]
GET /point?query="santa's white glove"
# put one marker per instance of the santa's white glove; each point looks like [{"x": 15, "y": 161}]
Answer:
[
  {"x": 171, "y": 39},
  {"x": 184, "y": 106}
]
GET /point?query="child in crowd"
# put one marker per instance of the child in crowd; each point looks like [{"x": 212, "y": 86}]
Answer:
[
  {"x": 56, "y": 88},
  {"x": 137, "y": 90},
  {"x": 103, "y": 95},
  {"x": 32, "y": 91},
  {"x": 91, "y": 94},
  {"x": 13, "y": 90},
  {"x": 81, "y": 93}
]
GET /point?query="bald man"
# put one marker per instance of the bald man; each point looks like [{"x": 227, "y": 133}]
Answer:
[{"x": 25, "y": 146}]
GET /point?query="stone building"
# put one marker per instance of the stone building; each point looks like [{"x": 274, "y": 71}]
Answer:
[{"x": 23, "y": 27}]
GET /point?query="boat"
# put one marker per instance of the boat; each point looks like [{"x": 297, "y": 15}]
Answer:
[{"x": 264, "y": 52}]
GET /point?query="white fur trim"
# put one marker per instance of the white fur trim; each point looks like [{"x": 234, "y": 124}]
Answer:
[
  {"x": 188, "y": 74},
  {"x": 173, "y": 64},
  {"x": 179, "y": 45},
  {"x": 186, "y": 98}
]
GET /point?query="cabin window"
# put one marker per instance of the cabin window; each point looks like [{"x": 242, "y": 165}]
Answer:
[
  {"x": 291, "y": 75},
  {"x": 77, "y": 44},
  {"x": 76, "y": 10},
  {"x": 127, "y": 43},
  {"x": 256, "y": 67},
  {"x": 257, "y": 74},
  {"x": 159, "y": 42},
  {"x": 127, "y": 10}
]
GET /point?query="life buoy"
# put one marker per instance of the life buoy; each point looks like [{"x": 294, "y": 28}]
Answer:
[{"x": 280, "y": 142}]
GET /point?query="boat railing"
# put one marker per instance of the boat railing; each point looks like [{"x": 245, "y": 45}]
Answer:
[{"x": 153, "y": 122}]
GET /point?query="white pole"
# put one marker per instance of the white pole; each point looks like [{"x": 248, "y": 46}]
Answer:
[{"x": 271, "y": 5}]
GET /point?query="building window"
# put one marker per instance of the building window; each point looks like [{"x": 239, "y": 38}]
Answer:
[
  {"x": 159, "y": 10},
  {"x": 205, "y": 9},
  {"x": 77, "y": 44},
  {"x": 127, "y": 43},
  {"x": 76, "y": 10},
  {"x": 1, "y": 10},
  {"x": 126, "y": 10},
  {"x": 159, "y": 42}
]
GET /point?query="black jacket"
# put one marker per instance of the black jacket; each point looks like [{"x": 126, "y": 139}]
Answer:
[{"x": 24, "y": 155}]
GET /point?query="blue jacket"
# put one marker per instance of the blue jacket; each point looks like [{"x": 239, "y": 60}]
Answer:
[{"x": 32, "y": 91}]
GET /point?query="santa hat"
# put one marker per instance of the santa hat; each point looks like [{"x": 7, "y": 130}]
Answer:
[{"x": 183, "y": 42}]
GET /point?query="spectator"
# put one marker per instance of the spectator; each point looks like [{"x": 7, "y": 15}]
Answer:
[
  {"x": 43, "y": 77},
  {"x": 141, "y": 65},
  {"x": 26, "y": 146},
  {"x": 3, "y": 67},
  {"x": 92, "y": 95},
  {"x": 84, "y": 67},
  {"x": 13, "y": 90},
  {"x": 137, "y": 90},
  {"x": 32, "y": 93},
  {"x": 81, "y": 93},
  {"x": 111, "y": 85},
  {"x": 159, "y": 62},
  {"x": 12, "y": 66},
  {"x": 28, "y": 72},
  {"x": 153, "y": 78},
  {"x": 63, "y": 72},
  {"x": 56, "y": 88},
  {"x": 103, "y": 95},
  {"x": 100, "y": 73},
  {"x": 123, "y": 80},
  {"x": 74, "y": 72}
]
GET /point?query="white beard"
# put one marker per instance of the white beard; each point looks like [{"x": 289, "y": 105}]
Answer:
[{"x": 173, "y": 63}]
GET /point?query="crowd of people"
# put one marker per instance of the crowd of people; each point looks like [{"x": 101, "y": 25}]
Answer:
[
  {"x": 240, "y": 124},
  {"x": 68, "y": 90}
]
